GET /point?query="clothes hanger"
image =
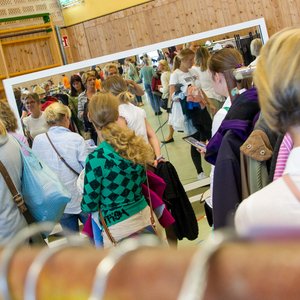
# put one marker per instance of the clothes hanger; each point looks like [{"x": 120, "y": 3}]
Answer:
[
  {"x": 115, "y": 255},
  {"x": 195, "y": 281},
  {"x": 43, "y": 257},
  {"x": 12, "y": 247}
]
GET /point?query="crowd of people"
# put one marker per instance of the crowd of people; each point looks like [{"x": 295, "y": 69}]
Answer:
[{"x": 99, "y": 128}]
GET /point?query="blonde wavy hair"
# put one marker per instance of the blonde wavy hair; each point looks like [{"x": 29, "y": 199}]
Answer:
[
  {"x": 103, "y": 113},
  {"x": 55, "y": 113},
  {"x": 8, "y": 117},
  {"x": 118, "y": 87},
  {"x": 277, "y": 78}
]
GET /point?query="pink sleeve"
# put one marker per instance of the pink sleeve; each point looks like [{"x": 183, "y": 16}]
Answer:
[{"x": 283, "y": 154}]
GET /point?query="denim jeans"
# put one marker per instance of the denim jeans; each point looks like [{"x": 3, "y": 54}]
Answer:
[
  {"x": 70, "y": 221},
  {"x": 154, "y": 104}
]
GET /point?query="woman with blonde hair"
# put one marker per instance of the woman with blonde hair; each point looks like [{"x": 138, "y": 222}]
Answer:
[
  {"x": 197, "y": 121},
  {"x": 277, "y": 77},
  {"x": 11, "y": 219},
  {"x": 130, "y": 115},
  {"x": 164, "y": 68},
  {"x": 35, "y": 123},
  {"x": 64, "y": 152},
  {"x": 10, "y": 122},
  {"x": 114, "y": 173},
  {"x": 201, "y": 66}
]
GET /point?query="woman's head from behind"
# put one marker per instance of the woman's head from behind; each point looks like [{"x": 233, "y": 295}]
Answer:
[
  {"x": 58, "y": 114},
  {"x": 103, "y": 109},
  {"x": 201, "y": 58},
  {"x": 226, "y": 60},
  {"x": 8, "y": 117},
  {"x": 255, "y": 47},
  {"x": 118, "y": 87},
  {"x": 277, "y": 78},
  {"x": 103, "y": 113}
]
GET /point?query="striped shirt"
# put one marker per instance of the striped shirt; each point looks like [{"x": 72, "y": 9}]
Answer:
[{"x": 283, "y": 154}]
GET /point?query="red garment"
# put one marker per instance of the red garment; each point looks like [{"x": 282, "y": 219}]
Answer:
[
  {"x": 48, "y": 100},
  {"x": 157, "y": 187}
]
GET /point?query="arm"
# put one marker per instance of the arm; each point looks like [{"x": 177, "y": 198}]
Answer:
[
  {"x": 171, "y": 91},
  {"x": 138, "y": 91},
  {"x": 122, "y": 122},
  {"x": 153, "y": 140}
]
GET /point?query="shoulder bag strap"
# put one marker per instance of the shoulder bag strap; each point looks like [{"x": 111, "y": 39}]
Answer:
[
  {"x": 17, "y": 197},
  {"x": 152, "y": 219},
  {"x": 107, "y": 231},
  {"x": 292, "y": 186},
  {"x": 60, "y": 157}
]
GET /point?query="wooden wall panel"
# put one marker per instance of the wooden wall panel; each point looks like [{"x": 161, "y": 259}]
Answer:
[
  {"x": 161, "y": 20},
  {"x": 78, "y": 43}
]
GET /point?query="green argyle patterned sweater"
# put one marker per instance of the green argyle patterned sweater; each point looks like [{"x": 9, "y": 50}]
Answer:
[{"x": 113, "y": 183}]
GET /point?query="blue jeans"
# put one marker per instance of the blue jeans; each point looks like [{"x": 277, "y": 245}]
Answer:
[
  {"x": 70, "y": 221},
  {"x": 154, "y": 104}
]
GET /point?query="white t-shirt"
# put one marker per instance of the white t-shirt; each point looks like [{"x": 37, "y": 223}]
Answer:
[
  {"x": 220, "y": 115},
  {"x": 135, "y": 118},
  {"x": 36, "y": 126},
  {"x": 274, "y": 206},
  {"x": 185, "y": 78},
  {"x": 165, "y": 79},
  {"x": 207, "y": 83}
]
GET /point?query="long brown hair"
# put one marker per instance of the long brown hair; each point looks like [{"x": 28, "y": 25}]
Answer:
[
  {"x": 228, "y": 59},
  {"x": 103, "y": 113},
  {"x": 201, "y": 58}
]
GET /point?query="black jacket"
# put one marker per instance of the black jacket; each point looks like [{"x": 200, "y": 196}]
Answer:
[{"x": 178, "y": 203}]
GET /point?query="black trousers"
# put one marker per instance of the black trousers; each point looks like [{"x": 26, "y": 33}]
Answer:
[{"x": 202, "y": 122}]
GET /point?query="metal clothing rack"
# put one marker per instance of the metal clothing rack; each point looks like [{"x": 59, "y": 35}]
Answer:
[{"x": 142, "y": 268}]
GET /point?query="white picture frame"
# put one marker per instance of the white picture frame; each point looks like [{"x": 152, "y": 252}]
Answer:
[{"x": 19, "y": 80}]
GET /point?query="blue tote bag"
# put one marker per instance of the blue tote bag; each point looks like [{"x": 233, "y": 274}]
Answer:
[{"x": 44, "y": 194}]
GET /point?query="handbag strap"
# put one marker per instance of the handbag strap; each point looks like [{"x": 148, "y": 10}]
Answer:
[
  {"x": 292, "y": 186},
  {"x": 152, "y": 219},
  {"x": 60, "y": 157},
  {"x": 107, "y": 231},
  {"x": 17, "y": 197}
]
